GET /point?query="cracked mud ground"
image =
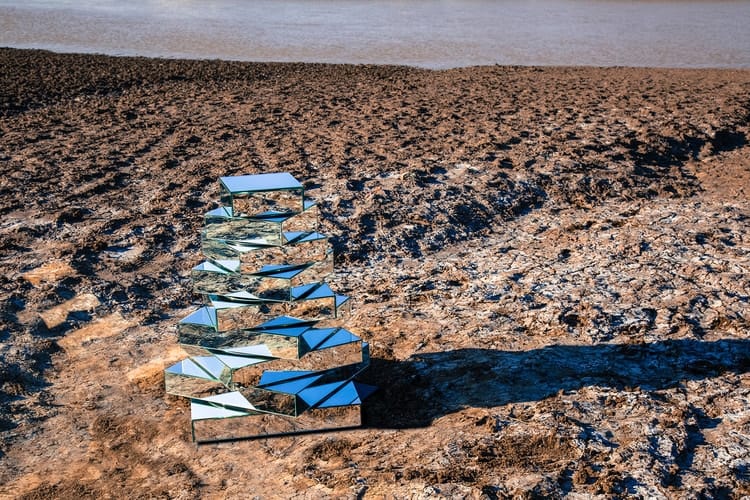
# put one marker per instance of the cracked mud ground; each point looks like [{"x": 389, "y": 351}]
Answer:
[{"x": 551, "y": 266}]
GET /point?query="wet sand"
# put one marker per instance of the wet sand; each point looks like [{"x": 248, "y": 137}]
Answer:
[{"x": 551, "y": 265}]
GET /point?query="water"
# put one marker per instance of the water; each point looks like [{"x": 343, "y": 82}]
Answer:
[{"x": 428, "y": 33}]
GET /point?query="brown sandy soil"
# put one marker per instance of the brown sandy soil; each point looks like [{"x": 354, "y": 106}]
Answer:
[{"x": 551, "y": 264}]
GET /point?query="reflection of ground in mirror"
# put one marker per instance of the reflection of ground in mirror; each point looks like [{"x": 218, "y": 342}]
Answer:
[{"x": 264, "y": 425}]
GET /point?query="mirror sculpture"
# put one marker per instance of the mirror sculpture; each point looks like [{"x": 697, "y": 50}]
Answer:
[{"x": 268, "y": 354}]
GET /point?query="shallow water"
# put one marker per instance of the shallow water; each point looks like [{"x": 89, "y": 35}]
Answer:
[{"x": 429, "y": 33}]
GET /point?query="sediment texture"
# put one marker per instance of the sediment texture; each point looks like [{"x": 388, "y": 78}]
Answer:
[{"x": 551, "y": 266}]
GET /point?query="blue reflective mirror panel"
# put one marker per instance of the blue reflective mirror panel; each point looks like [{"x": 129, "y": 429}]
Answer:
[
  {"x": 265, "y": 395},
  {"x": 258, "y": 193},
  {"x": 312, "y": 396},
  {"x": 189, "y": 368},
  {"x": 312, "y": 291},
  {"x": 217, "y": 215},
  {"x": 287, "y": 331},
  {"x": 201, "y": 411},
  {"x": 280, "y": 271},
  {"x": 279, "y": 392},
  {"x": 202, "y": 322},
  {"x": 317, "y": 361},
  {"x": 325, "y": 385},
  {"x": 345, "y": 396},
  {"x": 253, "y": 183},
  {"x": 353, "y": 392},
  {"x": 204, "y": 317},
  {"x": 221, "y": 266},
  {"x": 232, "y": 400},
  {"x": 337, "y": 394},
  {"x": 313, "y": 337},
  {"x": 237, "y": 362},
  {"x": 187, "y": 379},
  {"x": 214, "y": 367},
  {"x": 283, "y": 322},
  {"x": 291, "y": 386},
  {"x": 340, "y": 337}
]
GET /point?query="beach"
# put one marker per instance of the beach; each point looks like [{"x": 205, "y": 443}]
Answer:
[{"x": 551, "y": 266}]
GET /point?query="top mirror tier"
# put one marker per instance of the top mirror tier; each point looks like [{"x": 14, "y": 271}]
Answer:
[{"x": 254, "y": 194}]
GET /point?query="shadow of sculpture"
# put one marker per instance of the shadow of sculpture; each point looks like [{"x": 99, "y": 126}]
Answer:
[{"x": 416, "y": 391}]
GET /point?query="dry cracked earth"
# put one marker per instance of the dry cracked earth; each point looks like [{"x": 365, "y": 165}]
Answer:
[{"x": 551, "y": 266}]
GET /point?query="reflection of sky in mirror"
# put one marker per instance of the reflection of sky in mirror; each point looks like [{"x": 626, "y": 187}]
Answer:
[
  {"x": 189, "y": 368},
  {"x": 313, "y": 395},
  {"x": 260, "y": 182},
  {"x": 315, "y": 336},
  {"x": 339, "y": 338},
  {"x": 434, "y": 33},
  {"x": 200, "y": 411}
]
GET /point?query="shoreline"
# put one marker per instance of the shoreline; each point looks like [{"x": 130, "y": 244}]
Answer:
[{"x": 417, "y": 66}]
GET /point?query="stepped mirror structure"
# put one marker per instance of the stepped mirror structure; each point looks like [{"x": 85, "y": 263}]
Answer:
[{"x": 267, "y": 352}]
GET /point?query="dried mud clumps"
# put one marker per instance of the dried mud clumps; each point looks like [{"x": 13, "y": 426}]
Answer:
[{"x": 551, "y": 265}]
